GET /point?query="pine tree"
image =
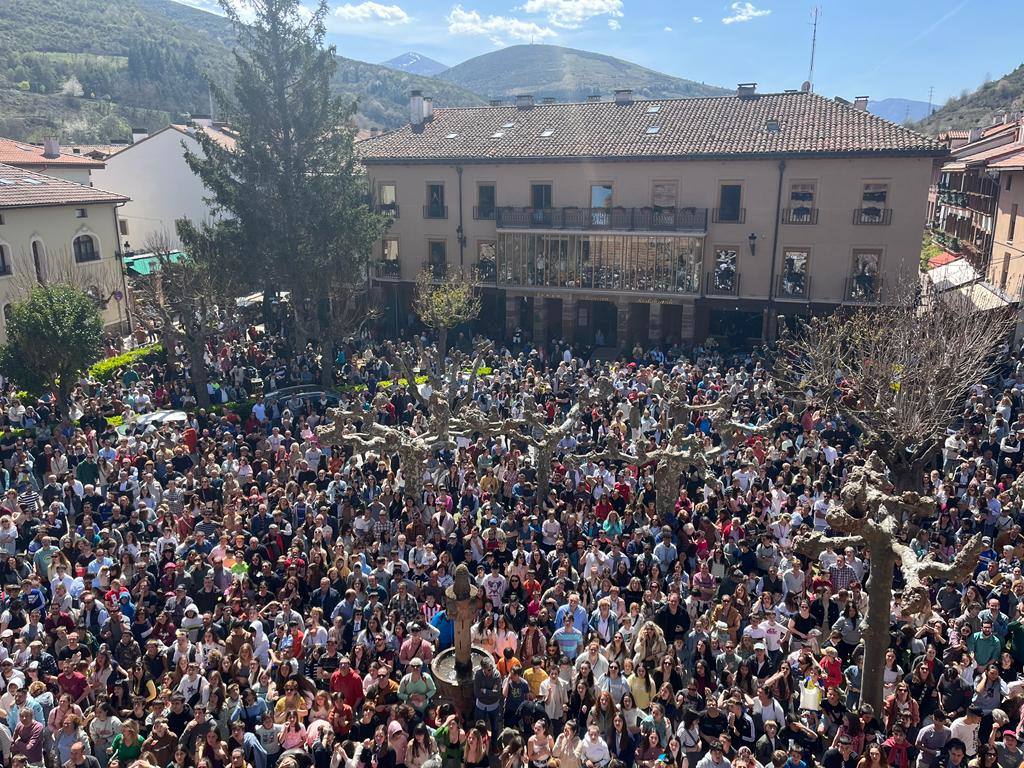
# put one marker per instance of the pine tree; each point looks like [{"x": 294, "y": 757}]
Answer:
[{"x": 292, "y": 183}]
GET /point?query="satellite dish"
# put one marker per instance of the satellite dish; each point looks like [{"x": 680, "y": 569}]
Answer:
[{"x": 806, "y": 87}]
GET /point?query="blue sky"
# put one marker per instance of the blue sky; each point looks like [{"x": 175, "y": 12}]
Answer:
[{"x": 878, "y": 48}]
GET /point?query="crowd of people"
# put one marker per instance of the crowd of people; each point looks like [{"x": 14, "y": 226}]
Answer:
[{"x": 232, "y": 592}]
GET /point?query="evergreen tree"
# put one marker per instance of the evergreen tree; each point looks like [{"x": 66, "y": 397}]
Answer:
[{"x": 291, "y": 182}]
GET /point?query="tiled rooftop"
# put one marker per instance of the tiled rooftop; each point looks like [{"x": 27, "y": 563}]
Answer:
[
  {"x": 20, "y": 154},
  {"x": 762, "y": 125},
  {"x": 20, "y": 188}
]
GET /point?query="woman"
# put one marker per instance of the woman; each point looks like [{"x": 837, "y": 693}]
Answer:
[
  {"x": 689, "y": 733},
  {"x": 541, "y": 745},
  {"x": 873, "y": 758},
  {"x": 581, "y": 702},
  {"x": 294, "y": 733},
  {"x": 69, "y": 732},
  {"x": 127, "y": 746},
  {"x": 891, "y": 673},
  {"x": 987, "y": 758},
  {"x": 505, "y": 637},
  {"x": 421, "y": 748},
  {"x": 621, "y": 743},
  {"x": 649, "y": 751},
  {"x": 484, "y": 635},
  {"x": 899, "y": 705},
  {"x": 603, "y": 712},
  {"x": 642, "y": 686},
  {"x": 566, "y": 746},
  {"x": 65, "y": 707},
  {"x": 613, "y": 683},
  {"x": 478, "y": 745},
  {"x": 377, "y": 752},
  {"x": 102, "y": 730}
]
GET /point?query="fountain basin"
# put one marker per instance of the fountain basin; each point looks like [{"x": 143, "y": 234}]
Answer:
[{"x": 442, "y": 668}]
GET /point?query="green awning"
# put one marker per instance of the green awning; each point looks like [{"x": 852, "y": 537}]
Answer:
[{"x": 146, "y": 264}]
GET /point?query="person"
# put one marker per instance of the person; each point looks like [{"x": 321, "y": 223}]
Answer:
[
  {"x": 840, "y": 755},
  {"x": 592, "y": 750},
  {"x": 487, "y": 691}
]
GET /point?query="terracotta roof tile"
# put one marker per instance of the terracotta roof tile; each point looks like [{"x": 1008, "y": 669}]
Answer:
[
  {"x": 22, "y": 155},
  {"x": 20, "y": 188},
  {"x": 693, "y": 128}
]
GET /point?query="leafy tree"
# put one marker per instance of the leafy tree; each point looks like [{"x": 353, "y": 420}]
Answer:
[
  {"x": 445, "y": 304},
  {"x": 52, "y": 336},
  {"x": 291, "y": 187}
]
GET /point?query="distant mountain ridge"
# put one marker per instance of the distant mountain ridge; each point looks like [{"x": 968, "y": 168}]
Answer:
[
  {"x": 566, "y": 74},
  {"x": 900, "y": 110},
  {"x": 978, "y": 108},
  {"x": 416, "y": 64}
]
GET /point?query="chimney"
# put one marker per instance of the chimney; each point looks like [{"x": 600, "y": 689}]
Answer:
[
  {"x": 624, "y": 97},
  {"x": 416, "y": 108},
  {"x": 594, "y": 98},
  {"x": 549, "y": 100},
  {"x": 202, "y": 121},
  {"x": 138, "y": 134},
  {"x": 51, "y": 148},
  {"x": 496, "y": 102},
  {"x": 428, "y": 108},
  {"x": 1006, "y": 118},
  {"x": 860, "y": 103},
  {"x": 524, "y": 101},
  {"x": 744, "y": 90},
  {"x": 975, "y": 135}
]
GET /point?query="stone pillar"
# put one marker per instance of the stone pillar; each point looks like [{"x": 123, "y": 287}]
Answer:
[
  {"x": 511, "y": 313},
  {"x": 569, "y": 318},
  {"x": 654, "y": 329},
  {"x": 462, "y": 603},
  {"x": 622, "y": 323},
  {"x": 540, "y": 322}
]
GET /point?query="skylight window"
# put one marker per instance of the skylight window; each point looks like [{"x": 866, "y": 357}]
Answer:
[
  {"x": 654, "y": 109},
  {"x": 452, "y": 136},
  {"x": 497, "y": 134},
  {"x": 509, "y": 125},
  {"x": 33, "y": 182},
  {"x": 547, "y": 133},
  {"x": 652, "y": 129},
  {"x": 772, "y": 126},
  {"x": 7, "y": 182}
]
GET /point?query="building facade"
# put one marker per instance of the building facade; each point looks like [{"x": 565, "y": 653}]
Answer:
[
  {"x": 629, "y": 221},
  {"x": 52, "y": 229},
  {"x": 49, "y": 158}
]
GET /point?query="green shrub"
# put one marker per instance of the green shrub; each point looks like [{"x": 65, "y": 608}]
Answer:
[{"x": 107, "y": 368}]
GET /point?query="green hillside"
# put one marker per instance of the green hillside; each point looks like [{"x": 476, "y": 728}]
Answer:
[
  {"x": 88, "y": 70},
  {"x": 566, "y": 74},
  {"x": 978, "y": 108}
]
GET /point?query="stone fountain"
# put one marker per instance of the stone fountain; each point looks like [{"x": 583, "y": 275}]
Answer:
[{"x": 453, "y": 668}]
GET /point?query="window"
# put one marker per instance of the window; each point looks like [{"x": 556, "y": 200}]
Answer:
[
  {"x": 1013, "y": 223},
  {"x": 1005, "y": 274},
  {"x": 664, "y": 195},
  {"x": 39, "y": 260},
  {"x": 729, "y": 198},
  {"x": 81, "y": 213},
  {"x": 85, "y": 249},
  {"x": 1, "y": 218},
  {"x": 437, "y": 258},
  {"x": 486, "y": 261},
  {"x": 873, "y": 204},
  {"x": 485, "y": 201},
  {"x": 122, "y": 227},
  {"x": 802, "y": 196},
  {"x": 547, "y": 133},
  {"x": 5, "y": 260},
  {"x": 600, "y": 204},
  {"x": 1009, "y": 181},
  {"x": 435, "y": 207},
  {"x": 540, "y": 196},
  {"x": 653, "y": 129},
  {"x": 793, "y": 280},
  {"x": 653, "y": 109},
  {"x": 724, "y": 277},
  {"x": 391, "y": 249},
  {"x": 865, "y": 279},
  {"x": 498, "y": 135},
  {"x": 387, "y": 197}
]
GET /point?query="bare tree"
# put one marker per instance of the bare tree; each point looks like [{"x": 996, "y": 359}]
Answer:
[
  {"x": 867, "y": 517},
  {"x": 445, "y": 303},
  {"x": 453, "y": 376},
  {"x": 899, "y": 374}
]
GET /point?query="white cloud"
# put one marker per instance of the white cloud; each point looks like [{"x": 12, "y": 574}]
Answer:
[
  {"x": 500, "y": 29},
  {"x": 370, "y": 11},
  {"x": 570, "y": 14},
  {"x": 744, "y": 12},
  {"x": 668, "y": 29},
  {"x": 613, "y": 25},
  {"x": 698, "y": 20}
]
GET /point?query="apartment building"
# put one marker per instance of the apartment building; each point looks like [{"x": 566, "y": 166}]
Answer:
[
  {"x": 622, "y": 221},
  {"x": 53, "y": 229}
]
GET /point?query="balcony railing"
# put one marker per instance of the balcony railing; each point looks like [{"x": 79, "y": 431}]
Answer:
[
  {"x": 792, "y": 286},
  {"x": 872, "y": 215},
  {"x": 863, "y": 289},
  {"x": 387, "y": 269},
  {"x": 484, "y": 212},
  {"x": 618, "y": 219},
  {"x": 800, "y": 215},
  {"x": 388, "y": 209},
  {"x": 437, "y": 269},
  {"x": 729, "y": 215},
  {"x": 435, "y": 211},
  {"x": 486, "y": 271},
  {"x": 722, "y": 282}
]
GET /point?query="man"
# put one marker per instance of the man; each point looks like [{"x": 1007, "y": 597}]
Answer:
[
  {"x": 576, "y": 611},
  {"x": 673, "y": 619},
  {"x": 714, "y": 758},
  {"x": 487, "y": 692},
  {"x": 966, "y": 730},
  {"x": 27, "y": 739},
  {"x": 1008, "y": 751},
  {"x": 986, "y": 647},
  {"x": 931, "y": 740},
  {"x": 79, "y": 759}
]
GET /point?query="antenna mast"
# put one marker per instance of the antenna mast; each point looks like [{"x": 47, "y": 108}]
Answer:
[
  {"x": 931, "y": 90},
  {"x": 814, "y": 44}
]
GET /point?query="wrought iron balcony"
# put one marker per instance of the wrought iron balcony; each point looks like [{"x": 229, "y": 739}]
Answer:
[
  {"x": 802, "y": 214},
  {"x": 615, "y": 219},
  {"x": 729, "y": 215},
  {"x": 388, "y": 209},
  {"x": 437, "y": 269},
  {"x": 484, "y": 212},
  {"x": 722, "y": 282},
  {"x": 486, "y": 271},
  {"x": 872, "y": 215},
  {"x": 387, "y": 269},
  {"x": 435, "y": 211},
  {"x": 792, "y": 286},
  {"x": 863, "y": 289}
]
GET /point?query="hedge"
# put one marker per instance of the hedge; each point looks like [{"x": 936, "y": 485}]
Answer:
[{"x": 105, "y": 369}]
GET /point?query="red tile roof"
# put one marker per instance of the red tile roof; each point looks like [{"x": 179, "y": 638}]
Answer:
[
  {"x": 20, "y": 188},
  {"x": 23, "y": 155},
  {"x": 728, "y": 126}
]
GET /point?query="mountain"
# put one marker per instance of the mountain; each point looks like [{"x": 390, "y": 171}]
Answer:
[
  {"x": 89, "y": 70},
  {"x": 566, "y": 74},
  {"x": 415, "y": 64},
  {"x": 900, "y": 110},
  {"x": 992, "y": 99}
]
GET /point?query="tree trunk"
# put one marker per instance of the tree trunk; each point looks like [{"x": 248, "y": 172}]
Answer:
[
  {"x": 876, "y": 632},
  {"x": 442, "y": 349},
  {"x": 200, "y": 376}
]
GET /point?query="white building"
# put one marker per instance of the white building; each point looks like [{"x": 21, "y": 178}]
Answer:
[
  {"x": 55, "y": 229},
  {"x": 154, "y": 174}
]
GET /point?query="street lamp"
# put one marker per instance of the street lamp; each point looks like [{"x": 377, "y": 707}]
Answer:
[{"x": 752, "y": 239}]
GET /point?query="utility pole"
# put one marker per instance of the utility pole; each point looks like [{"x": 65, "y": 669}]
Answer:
[
  {"x": 931, "y": 90},
  {"x": 814, "y": 44}
]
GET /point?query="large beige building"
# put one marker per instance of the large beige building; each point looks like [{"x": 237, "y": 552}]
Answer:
[
  {"x": 55, "y": 229},
  {"x": 620, "y": 221}
]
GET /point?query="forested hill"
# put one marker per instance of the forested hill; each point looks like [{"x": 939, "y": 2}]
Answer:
[{"x": 88, "y": 70}]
